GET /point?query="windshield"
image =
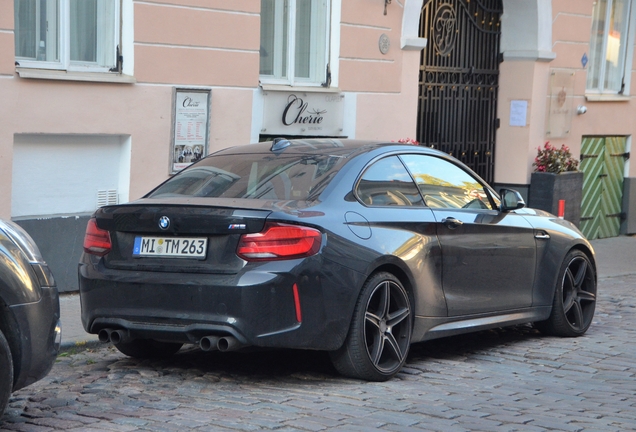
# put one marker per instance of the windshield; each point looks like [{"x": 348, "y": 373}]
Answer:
[{"x": 255, "y": 176}]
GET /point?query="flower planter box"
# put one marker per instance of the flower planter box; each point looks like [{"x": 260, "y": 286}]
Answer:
[{"x": 546, "y": 189}]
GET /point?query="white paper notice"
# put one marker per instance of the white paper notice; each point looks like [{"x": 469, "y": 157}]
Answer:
[
  {"x": 190, "y": 130},
  {"x": 518, "y": 112}
]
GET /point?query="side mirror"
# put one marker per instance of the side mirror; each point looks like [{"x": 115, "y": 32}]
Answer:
[{"x": 511, "y": 200}]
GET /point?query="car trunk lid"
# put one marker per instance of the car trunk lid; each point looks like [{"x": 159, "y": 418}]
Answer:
[{"x": 178, "y": 223}]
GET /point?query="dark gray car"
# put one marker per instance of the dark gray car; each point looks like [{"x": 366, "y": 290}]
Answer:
[
  {"x": 352, "y": 247},
  {"x": 30, "y": 329}
]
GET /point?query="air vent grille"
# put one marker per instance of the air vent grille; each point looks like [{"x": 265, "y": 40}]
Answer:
[{"x": 106, "y": 197}]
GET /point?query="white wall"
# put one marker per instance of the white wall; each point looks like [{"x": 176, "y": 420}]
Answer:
[{"x": 62, "y": 174}]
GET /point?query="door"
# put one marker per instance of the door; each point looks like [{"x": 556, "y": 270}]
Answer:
[
  {"x": 488, "y": 257},
  {"x": 459, "y": 80},
  {"x": 603, "y": 165}
]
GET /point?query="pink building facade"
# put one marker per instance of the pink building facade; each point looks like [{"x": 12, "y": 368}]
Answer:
[{"x": 93, "y": 94}]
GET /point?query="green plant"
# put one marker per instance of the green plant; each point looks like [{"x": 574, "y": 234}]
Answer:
[{"x": 554, "y": 160}]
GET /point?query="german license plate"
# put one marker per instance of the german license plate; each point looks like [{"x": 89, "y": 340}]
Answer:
[{"x": 170, "y": 247}]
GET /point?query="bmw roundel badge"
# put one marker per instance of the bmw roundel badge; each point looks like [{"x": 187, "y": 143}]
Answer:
[{"x": 164, "y": 222}]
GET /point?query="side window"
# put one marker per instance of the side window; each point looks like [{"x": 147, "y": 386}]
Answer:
[
  {"x": 609, "y": 47},
  {"x": 445, "y": 185},
  {"x": 388, "y": 183},
  {"x": 294, "y": 41},
  {"x": 67, "y": 34}
]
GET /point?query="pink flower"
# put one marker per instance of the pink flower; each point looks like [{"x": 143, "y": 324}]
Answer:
[
  {"x": 408, "y": 141},
  {"x": 553, "y": 159}
]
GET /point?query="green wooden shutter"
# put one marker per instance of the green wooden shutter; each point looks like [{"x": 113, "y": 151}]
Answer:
[
  {"x": 603, "y": 162},
  {"x": 612, "y": 197},
  {"x": 592, "y": 153}
]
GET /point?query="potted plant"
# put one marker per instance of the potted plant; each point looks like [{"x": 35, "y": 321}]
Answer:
[{"x": 556, "y": 177}]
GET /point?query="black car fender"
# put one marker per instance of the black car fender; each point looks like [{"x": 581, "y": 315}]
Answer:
[
  {"x": 17, "y": 278},
  {"x": 11, "y": 331},
  {"x": 425, "y": 289},
  {"x": 555, "y": 238},
  {"x": 29, "y": 308}
]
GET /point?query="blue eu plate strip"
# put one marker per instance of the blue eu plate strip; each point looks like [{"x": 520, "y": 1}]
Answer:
[{"x": 137, "y": 246}]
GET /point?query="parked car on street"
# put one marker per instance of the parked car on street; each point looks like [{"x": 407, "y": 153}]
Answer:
[
  {"x": 30, "y": 329},
  {"x": 353, "y": 247}
]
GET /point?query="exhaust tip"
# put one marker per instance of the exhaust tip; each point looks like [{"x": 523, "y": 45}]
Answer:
[
  {"x": 104, "y": 335},
  {"x": 229, "y": 343},
  {"x": 209, "y": 343},
  {"x": 223, "y": 344},
  {"x": 113, "y": 336},
  {"x": 116, "y": 336}
]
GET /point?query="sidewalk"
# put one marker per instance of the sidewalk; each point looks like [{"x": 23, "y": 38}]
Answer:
[
  {"x": 73, "y": 334},
  {"x": 615, "y": 256}
]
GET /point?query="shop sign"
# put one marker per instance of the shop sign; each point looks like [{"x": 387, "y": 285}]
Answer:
[{"x": 303, "y": 114}]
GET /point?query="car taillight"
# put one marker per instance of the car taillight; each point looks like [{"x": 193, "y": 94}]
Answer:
[
  {"x": 279, "y": 241},
  {"x": 96, "y": 240}
]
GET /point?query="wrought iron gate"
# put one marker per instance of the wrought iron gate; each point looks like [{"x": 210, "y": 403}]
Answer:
[
  {"x": 459, "y": 80},
  {"x": 603, "y": 163}
]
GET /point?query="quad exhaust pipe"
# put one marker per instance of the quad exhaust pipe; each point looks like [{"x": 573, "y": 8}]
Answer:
[
  {"x": 223, "y": 344},
  {"x": 207, "y": 343},
  {"x": 112, "y": 335}
]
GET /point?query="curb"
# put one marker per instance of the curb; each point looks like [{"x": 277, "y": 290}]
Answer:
[
  {"x": 615, "y": 275},
  {"x": 80, "y": 345}
]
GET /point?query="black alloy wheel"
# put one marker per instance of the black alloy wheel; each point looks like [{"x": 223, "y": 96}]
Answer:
[
  {"x": 380, "y": 334},
  {"x": 6, "y": 373},
  {"x": 574, "y": 298},
  {"x": 148, "y": 348}
]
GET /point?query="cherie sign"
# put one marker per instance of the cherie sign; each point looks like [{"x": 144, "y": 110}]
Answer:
[
  {"x": 296, "y": 112},
  {"x": 304, "y": 114}
]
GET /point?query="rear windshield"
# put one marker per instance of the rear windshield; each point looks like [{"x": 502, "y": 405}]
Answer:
[{"x": 256, "y": 176}]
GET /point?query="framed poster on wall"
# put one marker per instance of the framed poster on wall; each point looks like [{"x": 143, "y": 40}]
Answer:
[{"x": 190, "y": 126}]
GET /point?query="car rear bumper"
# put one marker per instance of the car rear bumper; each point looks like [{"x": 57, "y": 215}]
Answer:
[
  {"x": 40, "y": 336},
  {"x": 257, "y": 306}
]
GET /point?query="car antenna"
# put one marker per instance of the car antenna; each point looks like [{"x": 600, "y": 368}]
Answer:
[{"x": 280, "y": 144}]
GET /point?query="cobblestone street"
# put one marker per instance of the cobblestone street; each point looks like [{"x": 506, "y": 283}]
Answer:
[{"x": 513, "y": 379}]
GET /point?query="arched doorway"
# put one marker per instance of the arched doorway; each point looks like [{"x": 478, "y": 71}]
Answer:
[{"x": 459, "y": 80}]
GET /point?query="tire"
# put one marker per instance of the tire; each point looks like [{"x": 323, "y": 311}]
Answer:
[
  {"x": 574, "y": 298},
  {"x": 6, "y": 373},
  {"x": 380, "y": 334},
  {"x": 148, "y": 348}
]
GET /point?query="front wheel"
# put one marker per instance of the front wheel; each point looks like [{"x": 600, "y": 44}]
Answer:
[
  {"x": 574, "y": 298},
  {"x": 148, "y": 348},
  {"x": 380, "y": 334}
]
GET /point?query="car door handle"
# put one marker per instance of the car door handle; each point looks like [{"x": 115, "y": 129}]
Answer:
[
  {"x": 451, "y": 222},
  {"x": 542, "y": 236}
]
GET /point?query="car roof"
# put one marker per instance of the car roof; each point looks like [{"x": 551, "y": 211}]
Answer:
[{"x": 320, "y": 146}]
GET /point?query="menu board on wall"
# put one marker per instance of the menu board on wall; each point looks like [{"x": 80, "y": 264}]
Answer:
[{"x": 191, "y": 126}]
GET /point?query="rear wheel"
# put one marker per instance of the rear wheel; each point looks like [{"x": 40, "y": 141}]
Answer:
[
  {"x": 6, "y": 373},
  {"x": 148, "y": 348},
  {"x": 380, "y": 334},
  {"x": 574, "y": 298}
]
